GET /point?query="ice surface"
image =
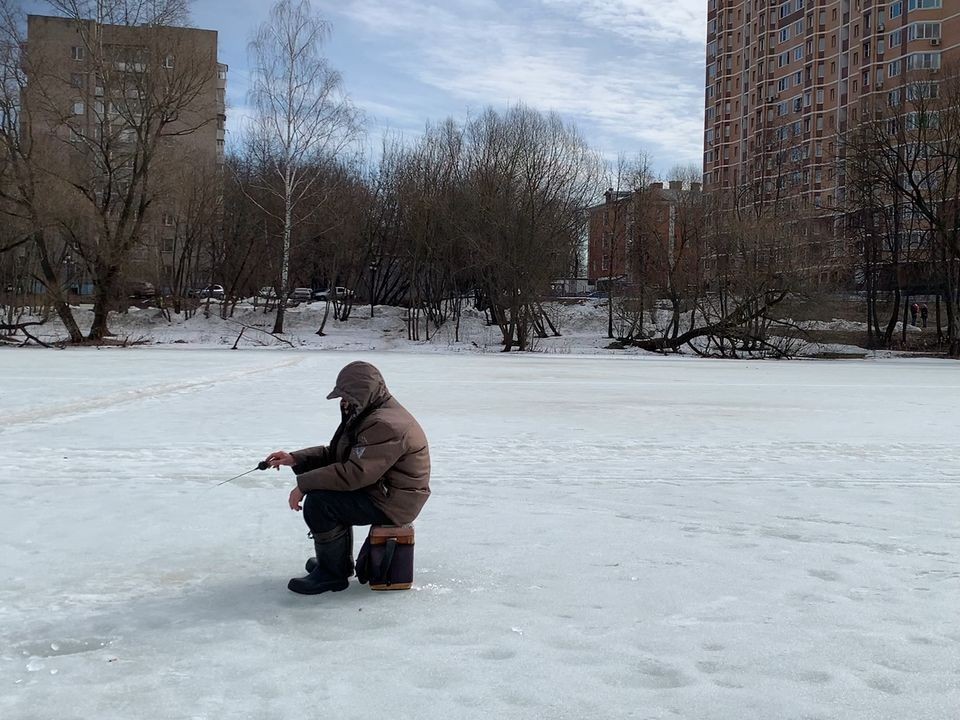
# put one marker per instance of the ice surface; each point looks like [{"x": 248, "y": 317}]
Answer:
[{"x": 627, "y": 537}]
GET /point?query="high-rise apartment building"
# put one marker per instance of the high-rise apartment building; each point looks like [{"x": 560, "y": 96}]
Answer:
[
  {"x": 106, "y": 101},
  {"x": 785, "y": 80}
]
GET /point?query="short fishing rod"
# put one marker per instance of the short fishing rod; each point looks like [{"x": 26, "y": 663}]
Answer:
[{"x": 262, "y": 465}]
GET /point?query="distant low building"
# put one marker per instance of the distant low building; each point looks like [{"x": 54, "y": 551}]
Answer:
[{"x": 633, "y": 235}]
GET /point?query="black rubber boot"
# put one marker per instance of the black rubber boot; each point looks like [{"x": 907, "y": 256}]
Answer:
[
  {"x": 332, "y": 566},
  {"x": 311, "y": 563}
]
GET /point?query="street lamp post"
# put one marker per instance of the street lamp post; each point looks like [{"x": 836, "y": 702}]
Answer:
[{"x": 373, "y": 272}]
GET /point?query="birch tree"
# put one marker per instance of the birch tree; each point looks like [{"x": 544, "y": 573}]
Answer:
[{"x": 302, "y": 118}]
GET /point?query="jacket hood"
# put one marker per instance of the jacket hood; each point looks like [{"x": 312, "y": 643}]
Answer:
[{"x": 360, "y": 384}]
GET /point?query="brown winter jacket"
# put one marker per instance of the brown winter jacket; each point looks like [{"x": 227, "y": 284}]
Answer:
[{"x": 381, "y": 449}]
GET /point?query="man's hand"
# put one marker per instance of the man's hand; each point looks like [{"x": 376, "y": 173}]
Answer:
[
  {"x": 280, "y": 457},
  {"x": 296, "y": 497}
]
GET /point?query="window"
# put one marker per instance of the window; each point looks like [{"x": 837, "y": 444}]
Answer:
[
  {"x": 920, "y": 31},
  {"x": 783, "y": 84},
  {"x": 896, "y": 10},
  {"x": 167, "y": 219},
  {"x": 922, "y": 120},
  {"x": 798, "y": 52},
  {"x": 820, "y": 96},
  {"x": 78, "y": 107},
  {"x": 168, "y": 62},
  {"x": 785, "y": 35},
  {"x": 783, "y": 59},
  {"x": 919, "y": 91},
  {"x": 76, "y": 52},
  {"x": 924, "y": 4},
  {"x": 169, "y": 245},
  {"x": 894, "y": 68},
  {"x": 76, "y": 80},
  {"x": 923, "y": 61}
]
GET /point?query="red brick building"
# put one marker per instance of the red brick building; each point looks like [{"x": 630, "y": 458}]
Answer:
[{"x": 644, "y": 226}]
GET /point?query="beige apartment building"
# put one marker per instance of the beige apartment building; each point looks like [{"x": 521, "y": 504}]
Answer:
[
  {"x": 94, "y": 89},
  {"x": 785, "y": 80}
]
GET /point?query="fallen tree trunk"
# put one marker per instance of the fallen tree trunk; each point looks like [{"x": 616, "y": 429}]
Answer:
[{"x": 731, "y": 325}]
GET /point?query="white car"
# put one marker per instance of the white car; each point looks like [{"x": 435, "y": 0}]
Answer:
[
  {"x": 301, "y": 294},
  {"x": 338, "y": 293}
]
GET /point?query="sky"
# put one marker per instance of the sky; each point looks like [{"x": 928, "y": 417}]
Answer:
[{"x": 629, "y": 73}]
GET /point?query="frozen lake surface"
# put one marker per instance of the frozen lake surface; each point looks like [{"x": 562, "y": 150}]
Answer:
[{"x": 608, "y": 538}]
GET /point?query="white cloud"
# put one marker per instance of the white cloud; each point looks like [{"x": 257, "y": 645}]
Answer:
[
  {"x": 622, "y": 89},
  {"x": 674, "y": 20}
]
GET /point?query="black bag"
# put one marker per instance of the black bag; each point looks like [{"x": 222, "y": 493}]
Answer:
[{"x": 386, "y": 558}]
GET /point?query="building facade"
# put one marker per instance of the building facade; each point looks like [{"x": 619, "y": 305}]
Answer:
[
  {"x": 636, "y": 237},
  {"x": 785, "y": 80},
  {"x": 104, "y": 97}
]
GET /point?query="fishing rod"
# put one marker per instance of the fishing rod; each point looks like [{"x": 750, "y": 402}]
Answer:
[{"x": 262, "y": 465}]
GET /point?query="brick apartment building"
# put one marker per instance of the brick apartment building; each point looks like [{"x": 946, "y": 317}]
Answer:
[
  {"x": 84, "y": 81},
  {"x": 785, "y": 80},
  {"x": 650, "y": 218}
]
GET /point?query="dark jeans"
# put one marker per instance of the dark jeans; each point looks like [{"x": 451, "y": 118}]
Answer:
[{"x": 327, "y": 510}]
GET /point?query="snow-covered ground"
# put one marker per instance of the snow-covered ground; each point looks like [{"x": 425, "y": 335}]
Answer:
[
  {"x": 609, "y": 537},
  {"x": 583, "y": 328}
]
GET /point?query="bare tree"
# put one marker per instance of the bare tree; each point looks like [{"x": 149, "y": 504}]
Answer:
[
  {"x": 528, "y": 178},
  {"x": 618, "y": 237},
  {"x": 110, "y": 159},
  {"x": 302, "y": 118},
  {"x": 27, "y": 199},
  {"x": 906, "y": 155},
  {"x": 125, "y": 12}
]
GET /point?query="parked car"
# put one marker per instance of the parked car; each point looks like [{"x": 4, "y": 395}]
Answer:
[
  {"x": 216, "y": 292},
  {"x": 301, "y": 294},
  {"x": 338, "y": 293},
  {"x": 268, "y": 293},
  {"x": 140, "y": 290}
]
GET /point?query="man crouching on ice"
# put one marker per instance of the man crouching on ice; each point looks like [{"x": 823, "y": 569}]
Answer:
[{"x": 375, "y": 471}]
